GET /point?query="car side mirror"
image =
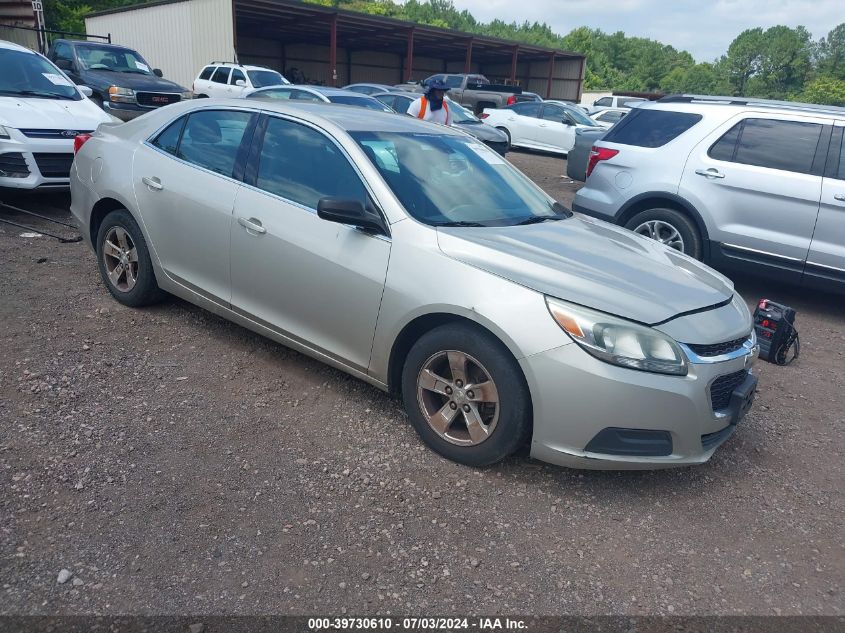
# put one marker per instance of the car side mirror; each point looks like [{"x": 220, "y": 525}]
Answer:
[
  {"x": 64, "y": 64},
  {"x": 157, "y": 72},
  {"x": 86, "y": 91},
  {"x": 241, "y": 83},
  {"x": 350, "y": 211}
]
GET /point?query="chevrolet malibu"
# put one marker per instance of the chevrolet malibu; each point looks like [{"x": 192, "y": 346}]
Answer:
[{"x": 418, "y": 260}]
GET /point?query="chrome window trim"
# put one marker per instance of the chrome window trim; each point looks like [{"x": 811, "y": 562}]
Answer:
[{"x": 749, "y": 347}]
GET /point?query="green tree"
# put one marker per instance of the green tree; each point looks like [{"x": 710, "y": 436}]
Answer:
[
  {"x": 744, "y": 58},
  {"x": 830, "y": 53},
  {"x": 825, "y": 90}
]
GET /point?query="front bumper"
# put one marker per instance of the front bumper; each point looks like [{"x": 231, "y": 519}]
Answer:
[
  {"x": 125, "y": 111},
  {"x": 30, "y": 163},
  {"x": 577, "y": 397}
]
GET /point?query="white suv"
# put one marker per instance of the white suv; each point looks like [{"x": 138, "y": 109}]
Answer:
[
  {"x": 753, "y": 185},
  {"x": 223, "y": 79}
]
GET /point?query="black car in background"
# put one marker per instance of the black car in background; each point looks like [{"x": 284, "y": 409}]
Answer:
[
  {"x": 122, "y": 82},
  {"x": 462, "y": 118}
]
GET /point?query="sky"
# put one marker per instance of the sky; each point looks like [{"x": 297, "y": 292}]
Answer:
[{"x": 705, "y": 28}]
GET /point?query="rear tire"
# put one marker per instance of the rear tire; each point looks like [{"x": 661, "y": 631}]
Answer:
[
  {"x": 466, "y": 395},
  {"x": 670, "y": 227},
  {"x": 124, "y": 261}
]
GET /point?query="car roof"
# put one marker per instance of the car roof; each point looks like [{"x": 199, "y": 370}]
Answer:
[
  {"x": 15, "y": 47},
  {"x": 750, "y": 102}
]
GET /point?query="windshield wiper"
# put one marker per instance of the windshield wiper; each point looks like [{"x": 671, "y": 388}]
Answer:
[
  {"x": 536, "y": 219},
  {"x": 40, "y": 95},
  {"x": 132, "y": 70},
  {"x": 459, "y": 223}
]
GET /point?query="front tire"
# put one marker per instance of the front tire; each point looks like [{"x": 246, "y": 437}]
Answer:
[
  {"x": 508, "y": 134},
  {"x": 669, "y": 227},
  {"x": 124, "y": 261},
  {"x": 465, "y": 395}
]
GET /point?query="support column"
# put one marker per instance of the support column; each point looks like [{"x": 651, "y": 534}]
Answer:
[
  {"x": 333, "y": 51},
  {"x": 514, "y": 60},
  {"x": 409, "y": 60},
  {"x": 551, "y": 74},
  {"x": 468, "y": 61}
]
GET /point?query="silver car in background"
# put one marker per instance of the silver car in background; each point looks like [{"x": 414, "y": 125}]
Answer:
[{"x": 417, "y": 259}]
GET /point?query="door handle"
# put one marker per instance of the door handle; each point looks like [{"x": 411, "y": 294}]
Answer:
[
  {"x": 710, "y": 173},
  {"x": 153, "y": 183},
  {"x": 839, "y": 196},
  {"x": 252, "y": 224},
  {"x": 544, "y": 125}
]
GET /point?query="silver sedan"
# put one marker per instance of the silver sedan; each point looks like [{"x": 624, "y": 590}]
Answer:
[{"x": 418, "y": 260}]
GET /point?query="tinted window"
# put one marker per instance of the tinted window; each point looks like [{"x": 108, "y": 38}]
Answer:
[
  {"x": 723, "y": 149},
  {"x": 62, "y": 51},
  {"x": 454, "y": 81},
  {"x": 604, "y": 101},
  {"x": 263, "y": 78},
  {"x": 221, "y": 75},
  {"x": 402, "y": 104},
  {"x": 553, "y": 113},
  {"x": 168, "y": 140},
  {"x": 526, "y": 109},
  {"x": 630, "y": 102},
  {"x": 279, "y": 93},
  {"x": 609, "y": 116},
  {"x": 211, "y": 139},
  {"x": 387, "y": 99},
  {"x": 651, "y": 128},
  {"x": 362, "y": 102},
  {"x": 841, "y": 171},
  {"x": 236, "y": 74},
  {"x": 286, "y": 166},
  {"x": 206, "y": 72},
  {"x": 111, "y": 58},
  {"x": 786, "y": 145}
]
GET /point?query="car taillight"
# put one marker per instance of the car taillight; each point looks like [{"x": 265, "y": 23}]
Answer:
[
  {"x": 511, "y": 99},
  {"x": 78, "y": 141},
  {"x": 483, "y": 115},
  {"x": 598, "y": 154}
]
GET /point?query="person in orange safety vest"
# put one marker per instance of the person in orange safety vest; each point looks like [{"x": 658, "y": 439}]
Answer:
[{"x": 432, "y": 106}]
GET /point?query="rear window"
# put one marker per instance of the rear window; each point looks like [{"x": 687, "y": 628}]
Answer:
[{"x": 651, "y": 128}]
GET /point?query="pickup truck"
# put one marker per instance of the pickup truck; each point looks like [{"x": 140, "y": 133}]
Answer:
[
  {"x": 122, "y": 82},
  {"x": 474, "y": 91}
]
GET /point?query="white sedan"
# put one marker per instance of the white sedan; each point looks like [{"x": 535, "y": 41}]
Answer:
[
  {"x": 41, "y": 112},
  {"x": 549, "y": 126}
]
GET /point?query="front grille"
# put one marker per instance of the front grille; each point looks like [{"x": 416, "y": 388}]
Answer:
[
  {"x": 54, "y": 165},
  {"x": 723, "y": 387},
  {"x": 60, "y": 134},
  {"x": 13, "y": 165},
  {"x": 711, "y": 440},
  {"x": 157, "y": 99},
  {"x": 717, "y": 349}
]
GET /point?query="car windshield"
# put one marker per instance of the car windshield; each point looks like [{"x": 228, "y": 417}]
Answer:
[
  {"x": 460, "y": 114},
  {"x": 29, "y": 75},
  {"x": 119, "y": 60},
  {"x": 446, "y": 180},
  {"x": 361, "y": 102},
  {"x": 262, "y": 78},
  {"x": 580, "y": 118}
]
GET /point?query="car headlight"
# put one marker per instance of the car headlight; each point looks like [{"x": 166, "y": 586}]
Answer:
[
  {"x": 187, "y": 95},
  {"x": 618, "y": 341},
  {"x": 4, "y": 133},
  {"x": 122, "y": 95}
]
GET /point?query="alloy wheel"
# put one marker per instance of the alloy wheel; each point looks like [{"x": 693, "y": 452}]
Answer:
[
  {"x": 120, "y": 258},
  {"x": 662, "y": 232},
  {"x": 458, "y": 398}
]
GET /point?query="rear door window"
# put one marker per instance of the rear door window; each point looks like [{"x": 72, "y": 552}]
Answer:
[
  {"x": 212, "y": 138},
  {"x": 553, "y": 113},
  {"x": 784, "y": 145},
  {"x": 651, "y": 128},
  {"x": 168, "y": 140},
  {"x": 221, "y": 75},
  {"x": 206, "y": 72},
  {"x": 529, "y": 108},
  {"x": 604, "y": 101}
]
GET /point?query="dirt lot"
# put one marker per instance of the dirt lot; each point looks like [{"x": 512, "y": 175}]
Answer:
[{"x": 176, "y": 463}]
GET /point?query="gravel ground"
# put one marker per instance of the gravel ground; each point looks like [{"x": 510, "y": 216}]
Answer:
[{"x": 171, "y": 462}]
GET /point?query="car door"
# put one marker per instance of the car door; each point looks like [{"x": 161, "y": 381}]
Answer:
[
  {"x": 826, "y": 260},
  {"x": 317, "y": 282},
  {"x": 555, "y": 131},
  {"x": 185, "y": 183},
  {"x": 757, "y": 179},
  {"x": 219, "y": 83},
  {"x": 234, "y": 90},
  {"x": 521, "y": 121}
]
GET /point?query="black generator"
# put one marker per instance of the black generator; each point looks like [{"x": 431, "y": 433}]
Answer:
[{"x": 774, "y": 324}]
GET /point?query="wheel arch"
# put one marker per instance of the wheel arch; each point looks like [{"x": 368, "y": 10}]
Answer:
[
  {"x": 101, "y": 209},
  {"x": 651, "y": 200}
]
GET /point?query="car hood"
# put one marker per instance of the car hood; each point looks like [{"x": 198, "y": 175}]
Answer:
[
  {"x": 483, "y": 132},
  {"x": 50, "y": 114},
  {"x": 593, "y": 264},
  {"x": 135, "y": 81}
]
